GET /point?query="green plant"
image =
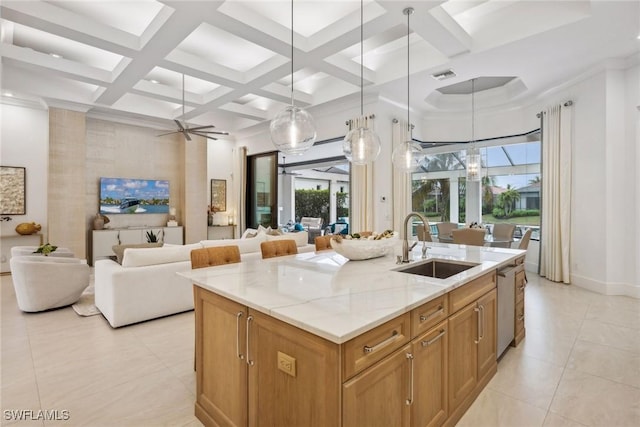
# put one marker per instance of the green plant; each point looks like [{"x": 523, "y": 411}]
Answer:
[
  {"x": 151, "y": 237},
  {"x": 45, "y": 249}
]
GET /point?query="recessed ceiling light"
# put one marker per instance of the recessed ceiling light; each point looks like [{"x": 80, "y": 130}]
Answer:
[
  {"x": 55, "y": 55},
  {"x": 9, "y": 94},
  {"x": 154, "y": 81}
]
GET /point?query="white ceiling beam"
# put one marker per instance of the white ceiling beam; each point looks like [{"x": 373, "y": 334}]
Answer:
[
  {"x": 52, "y": 19},
  {"x": 214, "y": 73},
  {"x": 245, "y": 111},
  {"x": 282, "y": 93}
]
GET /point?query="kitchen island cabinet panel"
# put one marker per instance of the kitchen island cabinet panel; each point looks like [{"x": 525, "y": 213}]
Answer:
[{"x": 378, "y": 396}]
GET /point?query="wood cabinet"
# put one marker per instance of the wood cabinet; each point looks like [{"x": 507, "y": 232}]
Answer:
[
  {"x": 423, "y": 368},
  {"x": 472, "y": 345},
  {"x": 378, "y": 396},
  {"x": 103, "y": 240},
  {"x": 254, "y": 370},
  {"x": 519, "y": 332},
  {"x": 216, "y": 232}
]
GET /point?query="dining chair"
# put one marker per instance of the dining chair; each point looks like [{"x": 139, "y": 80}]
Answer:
[
  {"x": 424, "y": 235},
  {"x": 219, "y": 255},
  {"x": 524, "y": 241},
  {"x": 276, "y": 248},
  {"x": 503, "y": 231},
  {"x": 445, "y": 228},
  {"x": 323, "y": 243},
  {"x": 468, "y": 236}
]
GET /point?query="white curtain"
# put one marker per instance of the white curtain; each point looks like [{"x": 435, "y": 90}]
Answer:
[
  {"x": 361, "y": 215},
  {"x": 556, "y": 194},
  {"x": 240, "y": 186},
  {"x": 401, "y": 132}
]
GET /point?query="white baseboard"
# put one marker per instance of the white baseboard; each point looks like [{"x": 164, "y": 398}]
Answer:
[{"x": 605, "y": 288}]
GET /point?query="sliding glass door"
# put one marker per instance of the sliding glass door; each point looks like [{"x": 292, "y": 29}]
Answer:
[{"x": 262, "y": 190}]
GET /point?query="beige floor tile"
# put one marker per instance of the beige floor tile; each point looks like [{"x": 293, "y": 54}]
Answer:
[
  {"x": 526, "y": 378},
  {"x": 596, "y": 401},
  {"x": 555, "y": 420},
  {"x": 194, "y": 423},
  {"x": 556, "y": 325},
  {"x": 620, "y": 337},
  {"x": 17, "y": 364},
  {"x": 540, "y": 344},
  {"x": 615, "y": 314},
  {"x": 20, "y": 394},
  {"x": 607, "y": 362},
  {"x": 158, "y": 399},
  {"x": 494, "y": 409}
]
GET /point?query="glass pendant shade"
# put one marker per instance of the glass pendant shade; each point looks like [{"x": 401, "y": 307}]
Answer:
[
  {"x": 293, "y": 131},
  {"x": 408, "y": 156},
  {"x": 473, "y": 164},
  {"x": 361, "y": 146}
]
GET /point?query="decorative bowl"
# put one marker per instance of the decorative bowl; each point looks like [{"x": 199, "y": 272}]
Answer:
[{"x": 361, "y": 249}]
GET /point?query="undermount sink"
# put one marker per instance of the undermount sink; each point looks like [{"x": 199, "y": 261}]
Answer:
[{"x": 437, "y": 268}]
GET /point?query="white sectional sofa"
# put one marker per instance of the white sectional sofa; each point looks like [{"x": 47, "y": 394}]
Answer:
[{"x": 145, "y": 286}]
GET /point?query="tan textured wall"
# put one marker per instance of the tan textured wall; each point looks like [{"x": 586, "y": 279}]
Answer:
[
  {"x": 66, "y": 180},
  {"x": 196, "y": 196}
]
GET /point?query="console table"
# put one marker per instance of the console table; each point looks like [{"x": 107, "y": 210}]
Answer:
[
  {"x": 103, "y": 240},
  {"x": 216, "y": 232},
  {"x": 15, "y": 240}
]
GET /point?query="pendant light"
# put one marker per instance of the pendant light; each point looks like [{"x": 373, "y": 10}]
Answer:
[
  {"x": 407, "y": 156},
  {"x": 361, "y": 145},
  {"x": 473, "y": 154},
  {"x": 293, "y": 130}
]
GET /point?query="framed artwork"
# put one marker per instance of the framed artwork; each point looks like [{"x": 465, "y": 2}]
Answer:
[
  {"x": 12, "y": 190},
  {"x": 219, "y": 195}
]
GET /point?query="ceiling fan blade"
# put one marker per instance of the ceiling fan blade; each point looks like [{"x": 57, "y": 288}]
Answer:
[
  {"x": 213, "y": 132},
  {"x": 169, "y": 133},
  {"x": 202, "y": 135},
  {"x": 186, "y": 135},
  {"x": 179, "y": 125},
  {"x": 202, "y": 127}
]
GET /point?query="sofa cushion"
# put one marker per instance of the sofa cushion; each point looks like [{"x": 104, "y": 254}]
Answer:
[
  {"x": 244, "y": 245},
  {"x": 119, "y": 249},
  {"x": 138, "y": 257},
  {"x": 301, "y": 237}
]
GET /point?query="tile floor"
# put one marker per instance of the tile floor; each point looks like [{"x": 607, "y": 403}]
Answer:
[{"x": 578, "y": 366}]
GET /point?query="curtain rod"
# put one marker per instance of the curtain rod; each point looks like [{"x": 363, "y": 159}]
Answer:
[
  {"x": 372, "y": 116},
  {"x": 569, "y": 103}
]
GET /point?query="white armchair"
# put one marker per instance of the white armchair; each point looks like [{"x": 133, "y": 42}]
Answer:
[
  {"x": 29, "y": 251},
  {"x": 42, "y": 283}
]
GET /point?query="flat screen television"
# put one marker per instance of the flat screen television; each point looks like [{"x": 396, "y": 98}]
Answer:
[{"x": 133, "y": 196}]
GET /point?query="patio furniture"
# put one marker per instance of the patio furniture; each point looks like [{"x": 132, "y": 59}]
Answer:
[
  {"x": 445, "y": 228},
  {"x": 504, "y": 233},
  {"x": 469, "y": 236}
]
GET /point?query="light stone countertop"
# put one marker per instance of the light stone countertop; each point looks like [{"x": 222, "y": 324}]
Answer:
[{"x": 327, "y": 295}]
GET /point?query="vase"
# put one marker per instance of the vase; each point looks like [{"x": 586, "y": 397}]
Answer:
[{"x": 98, "y": 222}]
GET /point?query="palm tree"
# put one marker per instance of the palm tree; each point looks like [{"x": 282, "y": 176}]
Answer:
[
  {"x": 488, "y": 182},
  {"x": 508, "y": 198}
]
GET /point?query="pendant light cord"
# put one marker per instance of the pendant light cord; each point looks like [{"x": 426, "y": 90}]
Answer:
[
  {"x": 182, "y": 96},
  {"x": 361, "y": 58},
  {"x": 292, "y": 53},
  {"x": 473, "y": 111},
  {"x": 409, "y": 11}
]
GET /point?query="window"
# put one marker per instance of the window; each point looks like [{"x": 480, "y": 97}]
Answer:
[{"x": 511, "y": 177}]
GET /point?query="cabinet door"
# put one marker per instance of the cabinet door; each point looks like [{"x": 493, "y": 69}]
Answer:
[
  {"x": 463, "y": 354},
  {"x": 294, "y": 376},
  {"x": 221, "y": 368},
  {"x": 102, "y": 242},
  {"x": 429, "y": 408},
  {"x": 128, "y": 237},
  {"x": 487, "y": 354},
  {"x": 173, "y": 235},
  {"x": 377, "y": 397}
]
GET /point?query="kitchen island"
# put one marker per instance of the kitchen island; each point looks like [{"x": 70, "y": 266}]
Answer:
[{"x": 317, "y": 340}]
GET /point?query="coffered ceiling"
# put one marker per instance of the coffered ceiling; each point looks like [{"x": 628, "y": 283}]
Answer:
[{"x": 123, "y": 58}]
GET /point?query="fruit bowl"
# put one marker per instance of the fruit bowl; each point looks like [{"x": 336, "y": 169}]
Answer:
[{"x": 361, "y": 249}]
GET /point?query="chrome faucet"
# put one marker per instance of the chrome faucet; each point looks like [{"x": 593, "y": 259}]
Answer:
[{"x": 405, "y": 242}]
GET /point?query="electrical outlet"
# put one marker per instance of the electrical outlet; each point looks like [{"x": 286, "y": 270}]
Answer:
[
  {"x": 383, "y": 199},
  {"x": 287, "y": 364}
]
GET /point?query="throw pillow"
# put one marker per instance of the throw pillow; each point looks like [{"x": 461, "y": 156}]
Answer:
[
  {"x": 272, "y": 232},
  {"x": 119, "y": 249},
  {"x": 249, "y": 232}
]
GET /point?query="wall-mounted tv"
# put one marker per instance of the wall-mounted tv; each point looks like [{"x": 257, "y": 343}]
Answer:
[{"x": 133, "y": 196}]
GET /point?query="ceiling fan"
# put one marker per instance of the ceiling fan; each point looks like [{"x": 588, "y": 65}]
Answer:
[
  {"x": 198, "y": 130},
  {"x": 284, "y": 170}
]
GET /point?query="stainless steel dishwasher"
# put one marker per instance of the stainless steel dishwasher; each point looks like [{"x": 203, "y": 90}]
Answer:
[{"x": 506, "y": 306}]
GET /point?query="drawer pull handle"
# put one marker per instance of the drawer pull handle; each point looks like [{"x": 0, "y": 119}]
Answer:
[
  {"x": 521, "y": 288},
  {"x": 238, "y": 316},
  {"x": 249, "y": 361},
  {"x": 426, "y": 343},
  {"x": 409, "y": 401},
  {"x": 477, "y": 310},
  {"x": 439, "y": 310},
  {"x": 521, "y": 318},
  {"x": 366, "y": 349}
]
